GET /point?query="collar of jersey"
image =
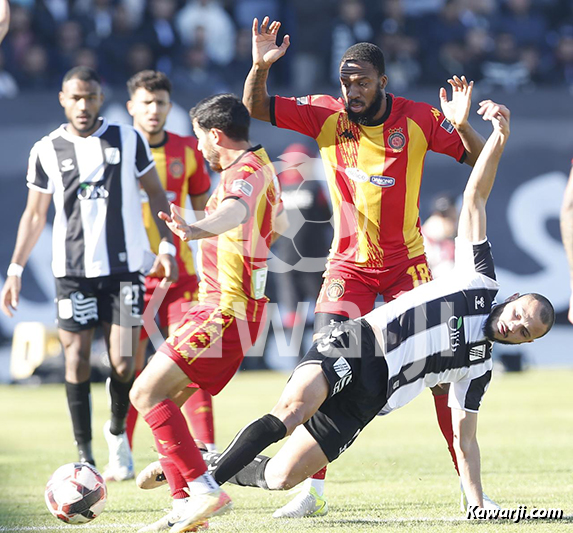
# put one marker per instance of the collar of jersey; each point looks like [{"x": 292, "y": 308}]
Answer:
[
  {"x": 75, "y": 138},
  {"x": 251, "y": 149}
]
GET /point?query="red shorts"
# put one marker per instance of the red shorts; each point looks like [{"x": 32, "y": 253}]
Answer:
[
  {"x": 210, "y": 345},
  {"x": 173, "y": 303},
  {"x": 352, "y": 291}
]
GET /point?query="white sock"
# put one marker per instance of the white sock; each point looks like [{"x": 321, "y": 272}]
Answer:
[
  {"x": 317, "y": 484},
  {"x": 202, "y": 485},
  {"x": 210, "y": 446}
]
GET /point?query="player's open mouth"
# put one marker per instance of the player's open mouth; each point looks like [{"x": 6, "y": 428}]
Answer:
[{"x": 356, "y": 107}]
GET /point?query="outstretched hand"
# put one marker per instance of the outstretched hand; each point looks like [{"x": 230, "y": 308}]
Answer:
[
  {"x": 265, "y": 49},
  {"x": 498, "y": 114},
  {"x": 176, "y": 223},
  {"x": 457, "y": 109}
]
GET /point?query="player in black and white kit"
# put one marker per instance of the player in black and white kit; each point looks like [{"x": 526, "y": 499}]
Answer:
[
  {"x": 438, "y": 333},
  {"x": 92, "y": 170}
]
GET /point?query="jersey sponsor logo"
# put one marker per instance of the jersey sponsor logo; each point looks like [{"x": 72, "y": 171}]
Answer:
[
  {"x": 454, "y": 325},
  {"x": 92, "y": 191},
  {"x": 242, "y": 186},
  {"x": 341, "y": 367},
  {"x": 302, "y": 100},
  {"x": 67, "y": 165},
  {"x": 112, "y": 155},
  {"x": 340, "y": 384},
  {"x": 176, "y": 167},
  {"x": 436, "y": 113},
  {"x": 447, "y": 125},
  {"x": 396, "y": 139},
  {"x": 477, "y": 352},
  {"x": 335, "y": 289},
  {"x": 479, "y": 302},
  {"x": 84, "y": 308},
  {"x": 357, "y": 175},
  {"x": 382, "y": 181}
]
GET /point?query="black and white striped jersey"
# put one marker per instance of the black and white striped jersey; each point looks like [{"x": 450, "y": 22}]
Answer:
[
  {"x": 434, "y": 333},
  {"x": 98, "y": 226}
]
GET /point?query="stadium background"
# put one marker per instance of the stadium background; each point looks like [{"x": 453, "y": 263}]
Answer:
[{"x": 520, "y": 52}]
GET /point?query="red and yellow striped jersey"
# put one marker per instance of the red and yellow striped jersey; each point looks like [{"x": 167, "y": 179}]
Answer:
[
  {"x": 182, "y": 171},
  {"x": 233, "y": 265},
  {"x": 373, "y": 172}
]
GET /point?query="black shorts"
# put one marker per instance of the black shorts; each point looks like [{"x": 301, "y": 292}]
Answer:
[
  {"x": 357, "y": 374},
  {"x": 82, "y": 303}
]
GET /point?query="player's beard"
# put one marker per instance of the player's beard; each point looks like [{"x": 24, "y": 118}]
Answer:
[
  {"x": 366, "y": 117},
  {"x": 492, "y": 319},
  {"x": 214, "y": 159}
]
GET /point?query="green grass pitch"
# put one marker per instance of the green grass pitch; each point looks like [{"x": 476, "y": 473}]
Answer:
[{"x": 397, "y": 477}]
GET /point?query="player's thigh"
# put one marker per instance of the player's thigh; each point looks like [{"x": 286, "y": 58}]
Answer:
[
  {"x": 303, "y": 394},
  {"x": 299, "y": 458},
  {"x": 404, "y": 277},
  {"x": 161, "y": 379},
  {"x": 346, "y": 291}
]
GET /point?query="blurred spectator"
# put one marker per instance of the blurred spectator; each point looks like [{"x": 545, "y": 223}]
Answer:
[
  {"x": 505, "y": 69},
  {"x": 439, "y": 232},
  {"x": 99, "y": 15},
  {"x": 69, "y": 39},
  {"x": 218, "y": 29},
  {"x": 304, "y": 200},
  {"x": 244, "y": 11},
  {"x": 402, "y": 60},
  {"x": 237, "y": 71},
  {"x": 562, "y": 71},
  {"x": 479, "y": 45},
  {"x": 35, "y": 73},
  {"x": 86, "y": 57},
  {"x": 160, "y": 33},
  {"x": 419, "y": 8},
  {"x": 114, "y": 50},
  {"x": 48, "y": 16},
  {"x": 349, "y": 28},
  {"x": 197, "y": 75},
  {"x": 479, "y": 13},
  {"x": 139, "y": 57},
  {"x": 522, "y": 20},
  {"x": 19, "y": 39},
  {"x": 8, "y": 85}
]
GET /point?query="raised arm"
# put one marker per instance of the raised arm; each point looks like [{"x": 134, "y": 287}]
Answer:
[
  {"x": 567, "y": 233},
  {"x": 472, "y": 223},
  {"x": 4, "y": 18},
  {"x": 457, "y": 111},
  {"x": 265, "y": 53}
]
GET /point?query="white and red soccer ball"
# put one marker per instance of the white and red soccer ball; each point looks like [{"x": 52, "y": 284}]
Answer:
[{"x": 76, "y": 493}]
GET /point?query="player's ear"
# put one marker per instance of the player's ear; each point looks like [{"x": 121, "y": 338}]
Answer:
[
  {"x": 129, "y": 106},
  {"x": 512, "y": 297},
  {"x": 383, "y": 81},
  {"x": 62, "y": 98},
  {"x": 216, "y": 135}
]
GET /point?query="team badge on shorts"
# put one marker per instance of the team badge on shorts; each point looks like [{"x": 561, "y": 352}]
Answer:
[
  {"x": 396, "y": 139},
  {"x": 335, "y": 289},
  {"x": 176, "y": 167}
]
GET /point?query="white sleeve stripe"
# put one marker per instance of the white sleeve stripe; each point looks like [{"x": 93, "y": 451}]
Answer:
[
  {"x": 145, "y": 170},
  {"x": 39, "y": 189}
]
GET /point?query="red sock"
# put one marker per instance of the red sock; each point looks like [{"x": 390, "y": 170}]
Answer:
[
  {"x": 131, "y": 419},
  {"x": 177, "y": 484},
  {"x": 445, "y": 421},
  {"x": 321, "y": 474},
  {"x": 172, "y": 434},
  {"x": 199, "y": 411}
]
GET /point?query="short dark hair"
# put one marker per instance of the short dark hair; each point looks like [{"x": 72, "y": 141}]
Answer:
[
  {"x": 82, "y": 74},
  {"x": 150, "y": 80},
  {"x": 225, "y": 112},
  {"x": 366, "y": 52},
  {"x": 547, "y": 314}
]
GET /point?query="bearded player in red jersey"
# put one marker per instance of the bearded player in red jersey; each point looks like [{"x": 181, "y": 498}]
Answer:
[
  {"x": 182, "y": 172},
  {"x": 373, "y": 145},
  {"x": 207, "y": 348}
]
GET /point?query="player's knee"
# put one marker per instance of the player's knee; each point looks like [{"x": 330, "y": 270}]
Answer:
[
  {"x": 137, "y": 396},
  {"x": 280, "y": 477},
  {"x": 123, "y": 371},
  {"x": 290, "y": 413}
]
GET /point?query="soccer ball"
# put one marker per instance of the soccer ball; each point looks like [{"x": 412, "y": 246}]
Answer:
[{"x": 76, "y": 493}]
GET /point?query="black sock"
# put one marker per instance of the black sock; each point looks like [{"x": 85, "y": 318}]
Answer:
[
  {"x": 252, "y": 440},
  {"x": 253, "y": 475},
  {"x": 79, "y": 404},
  {"x": 119, "y": 394}
]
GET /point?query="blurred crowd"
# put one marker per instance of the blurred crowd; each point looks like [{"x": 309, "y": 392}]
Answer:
[{"x": 204, "y": 45}]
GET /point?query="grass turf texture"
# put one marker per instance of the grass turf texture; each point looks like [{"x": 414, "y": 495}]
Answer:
[{"x": 397, "y": 477}]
